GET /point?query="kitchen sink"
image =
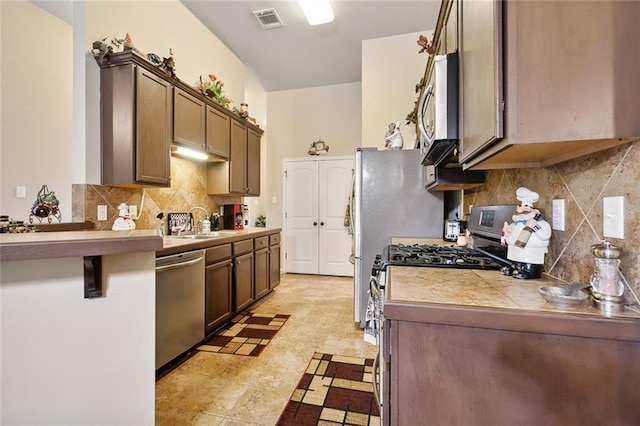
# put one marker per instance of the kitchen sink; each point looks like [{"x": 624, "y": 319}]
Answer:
[{"x": 212, "y": 234}]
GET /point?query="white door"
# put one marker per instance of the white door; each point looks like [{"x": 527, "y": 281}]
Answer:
[
  {"x": 317, "y": 194},
  {"x": 301, "y": 217},
  {"x": 335, "y": 242}
]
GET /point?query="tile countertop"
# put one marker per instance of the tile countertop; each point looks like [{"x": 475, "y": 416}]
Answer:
[
  {"x": 46, "y": 245},
  {"x": 477, "y": 288},
  {"x": 177, "y": 245}
]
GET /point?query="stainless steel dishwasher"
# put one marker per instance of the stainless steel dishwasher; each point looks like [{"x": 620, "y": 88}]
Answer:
[{"x": 179, "y": 304}]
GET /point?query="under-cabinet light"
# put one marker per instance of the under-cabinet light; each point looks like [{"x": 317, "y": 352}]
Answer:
[
  {"x": 317, "y": 11},
  {"x": 180, "y": 150}
]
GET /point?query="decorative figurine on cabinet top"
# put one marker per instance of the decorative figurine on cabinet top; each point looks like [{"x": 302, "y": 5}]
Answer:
[
  {"x": 393, "y": 138},
  {"x": 527, "y": 237}
]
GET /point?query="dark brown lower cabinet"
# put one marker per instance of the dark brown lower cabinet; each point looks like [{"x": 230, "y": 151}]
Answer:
[
  {"x": 243, "y": 276},
  {"x": 218, "y": 302},
  {"x": 464, "y": 366},
  {"x": 274, "y": 266},
  {"x": 261, "y": 262}
]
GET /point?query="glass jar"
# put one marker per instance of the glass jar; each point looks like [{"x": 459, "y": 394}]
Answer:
[{"x": 606, "y": 278}]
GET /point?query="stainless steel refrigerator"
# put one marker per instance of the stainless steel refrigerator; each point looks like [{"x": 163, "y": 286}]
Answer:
[{"x": 389, "y": 200}]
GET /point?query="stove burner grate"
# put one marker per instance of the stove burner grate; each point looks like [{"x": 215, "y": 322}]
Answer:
[{"x": 438, "y": 256}]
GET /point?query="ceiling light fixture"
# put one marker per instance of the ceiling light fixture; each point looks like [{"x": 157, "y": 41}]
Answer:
[
  {"x": 317, "y": 11},
  {"x": 186, "y": 152}
]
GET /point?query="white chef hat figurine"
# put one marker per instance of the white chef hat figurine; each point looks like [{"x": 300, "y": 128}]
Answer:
[
  {"x": 527, "y": 237},
  {"x": 393, "y": 138}
]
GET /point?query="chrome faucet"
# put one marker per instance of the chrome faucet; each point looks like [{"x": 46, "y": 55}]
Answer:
[{"x": 206, "y": 224}]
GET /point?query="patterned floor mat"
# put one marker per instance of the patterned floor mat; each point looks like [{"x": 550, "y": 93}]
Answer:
[
  {"x": 334, "y": 390},
  {"x": 246, "y": 334}
]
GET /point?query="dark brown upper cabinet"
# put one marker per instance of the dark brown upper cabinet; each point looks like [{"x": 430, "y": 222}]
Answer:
[{"x": 137, "y": 123}]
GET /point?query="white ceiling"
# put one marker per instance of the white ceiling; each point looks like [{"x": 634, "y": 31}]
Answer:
[{"x": 299, "y": 55}]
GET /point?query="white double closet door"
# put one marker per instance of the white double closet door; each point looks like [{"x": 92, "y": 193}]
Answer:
[{"x": 316, "y": 197}]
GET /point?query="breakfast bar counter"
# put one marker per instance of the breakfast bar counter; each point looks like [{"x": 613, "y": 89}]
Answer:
[{"x": 70, "y": 355}]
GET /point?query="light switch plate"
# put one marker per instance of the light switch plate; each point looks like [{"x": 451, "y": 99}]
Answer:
[
  {"x": 613, "y": 217},
  {"x": 558, "y": 215},
  {"x": 102, "y": 212},
  {"x": 21, "y": 192}
]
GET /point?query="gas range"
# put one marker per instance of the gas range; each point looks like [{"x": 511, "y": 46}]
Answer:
[{"x": 436, "y": 256}]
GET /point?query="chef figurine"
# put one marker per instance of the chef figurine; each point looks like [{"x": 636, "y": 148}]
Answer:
[
  {"x": 123, "y": 222},
  {"x": 393, "y": 137},
  {"x": 527, "y": 237}
]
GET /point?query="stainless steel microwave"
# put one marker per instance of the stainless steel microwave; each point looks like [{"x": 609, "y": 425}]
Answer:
[{"x": 438, "y": 112}]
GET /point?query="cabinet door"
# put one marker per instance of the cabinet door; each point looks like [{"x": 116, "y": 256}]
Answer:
[
  {"x": 188, "y": 120},
  {"x": 154, "y": 125},
  {"x": 253, "y": 162},
  {"x": 261, "y": 264},
  {"x": 238, "y": 159},
  {"x": 217, "y": 133},
  {"x": 481, "y": 75},
  {"x": 274, "y": 266},
  {"x": 243, "y": 274},
  {"x": 218, "y": 303}
]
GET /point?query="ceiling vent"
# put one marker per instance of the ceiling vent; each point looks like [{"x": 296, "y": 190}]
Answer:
[{"x": 268, "y": 18}]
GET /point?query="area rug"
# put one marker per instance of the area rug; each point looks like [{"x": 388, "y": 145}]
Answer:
[
  {"x": 246, "y": 334},
  {"x": 334, "y": 390}
]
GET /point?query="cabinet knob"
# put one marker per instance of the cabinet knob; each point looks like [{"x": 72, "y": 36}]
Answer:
[
  {"x": 315, "y": 223},
  {"x": 321, "y": 223}
]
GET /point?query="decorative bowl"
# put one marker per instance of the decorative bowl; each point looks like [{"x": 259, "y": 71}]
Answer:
[{"x": 566, "y": 295}]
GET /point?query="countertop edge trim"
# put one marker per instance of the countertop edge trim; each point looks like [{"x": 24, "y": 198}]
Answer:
[
  {"x": 78, "y": 248},
  {"x": 565, "y": 324}
]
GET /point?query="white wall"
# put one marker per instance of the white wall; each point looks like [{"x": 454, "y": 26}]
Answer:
[
  {"x": 391, "y": 68},
  {"x": 37, "y": 140},
  {"x": 36, "y": 113},
  {"x": 68, "y": 360},
  {"x": 299, "y": 117}
]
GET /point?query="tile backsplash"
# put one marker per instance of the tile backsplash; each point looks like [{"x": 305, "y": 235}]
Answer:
[
  {"x": 583, "y": 183},
  {"x": 188, "y": 189}
]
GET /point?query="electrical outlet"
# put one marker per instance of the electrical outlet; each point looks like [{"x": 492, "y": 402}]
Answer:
[
  {"x": 558, "y": 215},
  {"x": 102, "y": 212},
  {"x": 133, "y": 211},
  {"x": 613, "y": 217},
  {"x": 21, "y": 192}
]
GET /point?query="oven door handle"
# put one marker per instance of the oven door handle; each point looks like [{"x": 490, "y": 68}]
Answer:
[{"x": 374, "y": 378}]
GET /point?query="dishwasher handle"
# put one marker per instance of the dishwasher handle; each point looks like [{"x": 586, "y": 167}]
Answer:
[{"x": 178, "y": 265}]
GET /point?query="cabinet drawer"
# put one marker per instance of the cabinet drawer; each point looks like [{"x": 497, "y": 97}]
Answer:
[
  {"x": 261, "y": 242},
  {"x": 241, "y": 247},
  {"x": 274, "y": 239},
  {"x": 214, "y": 254}
]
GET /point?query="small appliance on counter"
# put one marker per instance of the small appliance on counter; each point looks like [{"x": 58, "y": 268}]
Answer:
[
  {"x": 233, "y": 216},
  {"x": 452, "y": 229}
]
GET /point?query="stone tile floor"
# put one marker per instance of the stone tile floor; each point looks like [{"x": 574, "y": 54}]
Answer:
[{"x": 226, "y": 390}]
